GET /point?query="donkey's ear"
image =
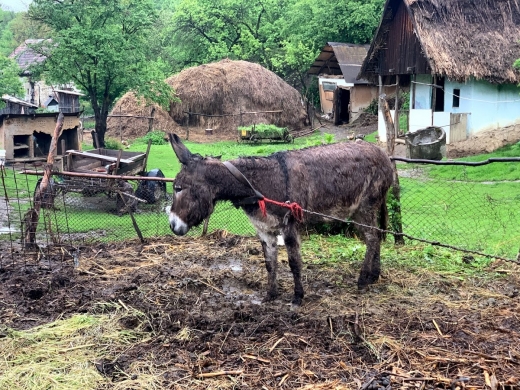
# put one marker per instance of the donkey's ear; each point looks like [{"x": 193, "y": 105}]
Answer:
[{"x": 182, "y": 152}]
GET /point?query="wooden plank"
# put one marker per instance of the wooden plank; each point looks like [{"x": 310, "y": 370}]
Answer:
[{"x": 99, "y": 157}]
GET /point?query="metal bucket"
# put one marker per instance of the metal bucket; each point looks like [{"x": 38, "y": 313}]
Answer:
[{"x": 428, "y": 144}]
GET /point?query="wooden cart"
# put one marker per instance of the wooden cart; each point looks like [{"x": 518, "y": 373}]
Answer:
[
  {"x": 254, "y": 136},
  {"x": 109, "y": 162}
]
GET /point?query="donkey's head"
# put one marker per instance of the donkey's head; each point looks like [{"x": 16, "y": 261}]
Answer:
[{"x": 194, "y": 196}]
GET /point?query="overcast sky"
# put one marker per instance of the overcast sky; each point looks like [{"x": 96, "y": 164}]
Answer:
[{"x": 15, "y": 5}]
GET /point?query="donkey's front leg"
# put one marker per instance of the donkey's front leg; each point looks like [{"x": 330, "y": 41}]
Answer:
[
  {"x": 292, "y": 243},
  {"x": 271, "y": 264}
]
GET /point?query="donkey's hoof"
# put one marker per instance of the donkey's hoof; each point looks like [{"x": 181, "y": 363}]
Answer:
[
  {"x": 296, "y": 302},
  {"x": 270, "y": 297},
  {"x": 365, "y": 279}
]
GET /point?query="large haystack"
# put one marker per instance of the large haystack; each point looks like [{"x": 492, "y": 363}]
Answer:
[
  {"x": 132, "y": 127},
  {"x": 225, "y": 89}
]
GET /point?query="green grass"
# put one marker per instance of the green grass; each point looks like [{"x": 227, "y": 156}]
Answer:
[
  {"x": 489, "y": 172},
  {"x": 415, "y": 257},
  {"x": 163, "y": 157},
  {"x": 441, "y": 206},
  {"x": 483, "y": 217}
]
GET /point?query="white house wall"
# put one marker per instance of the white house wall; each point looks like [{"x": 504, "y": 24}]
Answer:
[
  {"x": 492, "y": 106},
  {"x": 489, "y": 106},
  {"x": 423, "y": 92}
]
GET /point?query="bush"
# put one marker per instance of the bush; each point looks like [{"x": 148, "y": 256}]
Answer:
[
  {"x": 111, "y": 143},
  {"x": 158, "y": 137}
]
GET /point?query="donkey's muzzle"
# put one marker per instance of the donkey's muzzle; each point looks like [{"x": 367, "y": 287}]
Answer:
[{"x": 177, "y": 225}]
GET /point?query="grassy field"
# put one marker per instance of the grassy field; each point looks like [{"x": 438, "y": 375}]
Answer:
[{"x": 443, "y": 203}]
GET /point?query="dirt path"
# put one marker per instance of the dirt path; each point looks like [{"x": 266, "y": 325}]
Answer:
[{"x": 202, "y": 304}]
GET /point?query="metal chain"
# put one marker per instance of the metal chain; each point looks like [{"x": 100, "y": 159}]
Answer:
[{"x": 436, "y": 243}]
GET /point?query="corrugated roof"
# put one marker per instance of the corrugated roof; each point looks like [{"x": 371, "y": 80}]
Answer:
[
  {"x": 69, "y": 92},
  {"x": 341, "y": 59},
  {"x": 12, "y": 99}
]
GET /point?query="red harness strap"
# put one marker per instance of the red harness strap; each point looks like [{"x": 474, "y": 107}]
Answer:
[{"x": 295, "y": 208}]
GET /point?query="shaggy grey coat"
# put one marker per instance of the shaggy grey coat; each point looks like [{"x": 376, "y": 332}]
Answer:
[{"x": 344, "y": 180}]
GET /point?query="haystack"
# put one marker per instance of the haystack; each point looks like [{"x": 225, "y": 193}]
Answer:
[
  {"x": 227, "y": 94},
  {"x": 133, "y": 127}
]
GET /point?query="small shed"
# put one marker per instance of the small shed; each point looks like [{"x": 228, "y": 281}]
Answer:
[
  {"x": 26, "y": 135},
  {"x": 51, "y": 104},
  {"x": 16, "y": 106},
  {"x": 342, "y": 96},
  {"x": 68, "y": 100}
]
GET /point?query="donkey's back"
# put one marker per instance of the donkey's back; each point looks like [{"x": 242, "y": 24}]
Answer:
[{"x": 340, "y": 178}]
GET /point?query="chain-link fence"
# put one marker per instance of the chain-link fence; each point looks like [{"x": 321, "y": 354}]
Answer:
[{"x": 457, "y": 210}]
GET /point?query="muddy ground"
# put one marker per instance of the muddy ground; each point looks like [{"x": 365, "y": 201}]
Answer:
[{"x": 202, "y": 301}]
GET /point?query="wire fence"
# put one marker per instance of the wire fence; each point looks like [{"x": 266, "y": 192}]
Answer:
[{"x": 458, "y": 211}]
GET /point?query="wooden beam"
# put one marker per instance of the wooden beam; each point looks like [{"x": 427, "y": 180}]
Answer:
[{"x": 99, "y": 156}]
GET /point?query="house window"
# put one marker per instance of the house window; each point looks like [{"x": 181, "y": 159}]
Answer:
[
  {"x": 456, "y": 98},
  {"x": 329, "y": 86}
]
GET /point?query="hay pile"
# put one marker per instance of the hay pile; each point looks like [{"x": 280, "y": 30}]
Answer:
[
  {"x": 230, "y": 87},
  {"x": 132, "y": 127}
]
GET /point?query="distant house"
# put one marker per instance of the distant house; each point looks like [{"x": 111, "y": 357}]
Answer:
[
  {"x": 342, "y": 96},
  {"x": 456, "y": 56},
  {"x": 27, "y": 125}
]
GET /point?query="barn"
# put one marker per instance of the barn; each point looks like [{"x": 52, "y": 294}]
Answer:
[{"x": 456, "y": 56}]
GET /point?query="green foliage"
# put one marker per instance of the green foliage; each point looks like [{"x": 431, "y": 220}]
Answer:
[
  {"x": 112, "y": 143},
  {"x": 9, "y": 81},
  {"x": 157, "y": 137},
  {"x": 102, "y": 46},
  {"x": 284, "y": 36},
  {"x": 329, "y": 138},
  {"x": 372, "y": 107},
  {"x": 394, "y": 212},
  {"x": 371, "y": 137}
]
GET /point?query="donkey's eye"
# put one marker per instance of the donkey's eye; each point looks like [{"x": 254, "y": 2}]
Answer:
[{"x": 178, "y": 188}]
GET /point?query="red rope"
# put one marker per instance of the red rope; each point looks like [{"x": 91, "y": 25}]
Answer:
[{"x": 295, "y": 208}]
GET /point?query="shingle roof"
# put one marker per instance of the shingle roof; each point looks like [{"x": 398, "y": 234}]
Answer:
[
  {"x": 25, "y": 56},
  {"x": 340, "y": 59}
]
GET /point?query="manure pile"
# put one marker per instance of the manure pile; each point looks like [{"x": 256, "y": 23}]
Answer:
[{"x": 192, "y": 313}]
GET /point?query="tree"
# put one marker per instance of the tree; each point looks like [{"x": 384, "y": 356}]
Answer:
[
  {"x": 206, "y": 31},
  {"x": 10, "y": 83},
  {"x": 101, "y": 46}
]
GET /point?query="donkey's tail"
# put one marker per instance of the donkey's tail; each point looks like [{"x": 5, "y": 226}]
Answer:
[{"x": 383, "y": 219}]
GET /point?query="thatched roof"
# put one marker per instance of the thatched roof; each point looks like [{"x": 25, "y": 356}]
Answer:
[
  {"x": 132, "y": 127},
  {"x": 230, "y": 87},
  {"x": 460, "y": 39}
]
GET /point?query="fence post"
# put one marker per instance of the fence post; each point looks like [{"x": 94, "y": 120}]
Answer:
[
  {"x": 395, "y": 206},
  {"x": 396, "y": 113},
  {"x": 150, "y": 121},
  {"x": 33, "y": 214},
  {"x": 188, "y": 127}
]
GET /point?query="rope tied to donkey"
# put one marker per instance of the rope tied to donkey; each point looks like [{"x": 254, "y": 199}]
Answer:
[{"x": 296, "y": 209}]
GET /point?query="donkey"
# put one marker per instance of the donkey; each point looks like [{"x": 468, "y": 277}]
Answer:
[{"x": 343, "y": 180}]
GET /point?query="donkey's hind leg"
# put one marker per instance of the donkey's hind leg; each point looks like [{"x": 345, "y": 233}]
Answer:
[
  {"x": 270, "y": 249},
  {"x": 292, "y": 243},
  {"x": 371, "y": 267}
]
